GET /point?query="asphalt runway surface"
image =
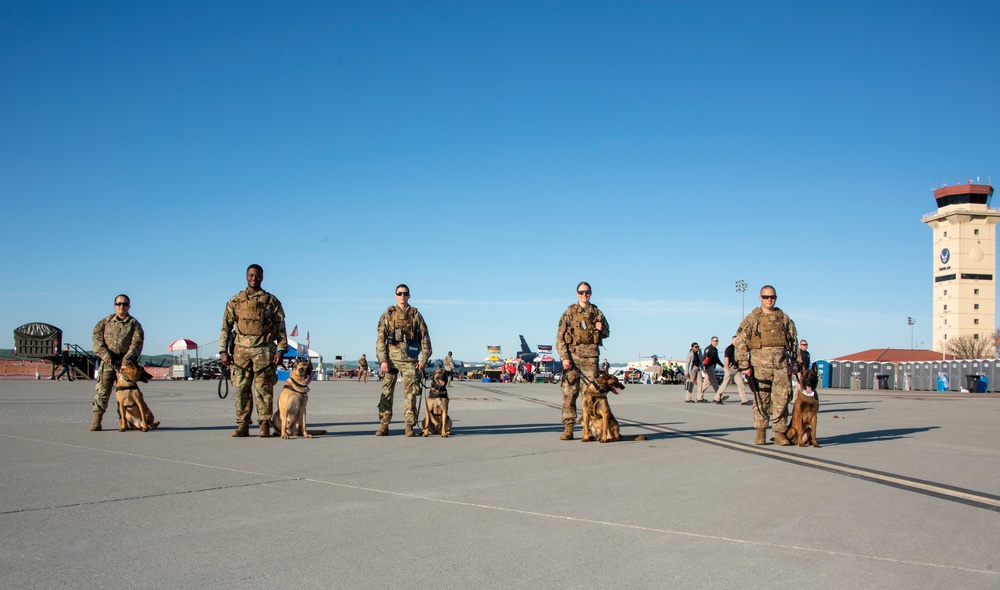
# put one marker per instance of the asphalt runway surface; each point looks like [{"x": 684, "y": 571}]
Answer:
[{"x": 902, "y": 494}]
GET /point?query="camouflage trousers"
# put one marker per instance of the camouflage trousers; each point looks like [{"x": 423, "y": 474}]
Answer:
[
  {"x": 106, "y": 379},
  {"x": 411, "y": 391},
  {"x": 771, "y": 401},
  {"x": 254, "y": 369},
  {"x": 571, "y": 386}
]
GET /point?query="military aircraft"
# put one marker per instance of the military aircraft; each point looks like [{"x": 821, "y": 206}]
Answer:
[{"x": 525, "y": 353}]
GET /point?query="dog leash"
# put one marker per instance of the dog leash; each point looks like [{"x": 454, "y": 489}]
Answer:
[{"x": 587, "y": 380}]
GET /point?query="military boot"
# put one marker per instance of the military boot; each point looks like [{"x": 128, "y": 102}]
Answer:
[
  {"x": 241, "y": 430},
  {"x": 761, "y": 437},
  {"x": 383, "y": 429},
  {"x": 409, "y": 430},
  {"x": 96, "y": 424},
  {"x": 265, "y": 429},
  {"x": 568, "y": 433},
  {"x": 781, "y": 440}
]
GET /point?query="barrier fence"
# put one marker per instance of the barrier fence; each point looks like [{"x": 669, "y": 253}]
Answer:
[{"x": 25, "y": 369}]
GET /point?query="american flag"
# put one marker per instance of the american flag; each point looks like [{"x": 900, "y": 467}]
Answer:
[{"x": 295, "y": 331}]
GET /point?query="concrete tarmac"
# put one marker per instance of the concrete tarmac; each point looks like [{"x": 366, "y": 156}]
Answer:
[{"x": 903, "y": 494}]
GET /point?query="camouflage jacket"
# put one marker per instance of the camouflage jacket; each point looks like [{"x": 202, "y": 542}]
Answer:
[
  {"x": 363, "y": 363},
  {"x": 577, "y": 335},
  {"x": 765, "y": 341},
  {"x": 118, "y": 339},
  {"x": 397, "y": 326},
  {"x": 254, "y": 320}
]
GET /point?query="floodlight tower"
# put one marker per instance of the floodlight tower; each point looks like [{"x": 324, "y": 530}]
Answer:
[{"x": 964, "y": 262}]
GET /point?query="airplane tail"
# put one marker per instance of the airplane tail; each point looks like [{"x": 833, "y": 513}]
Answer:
[{"x": 524, "y": 345}]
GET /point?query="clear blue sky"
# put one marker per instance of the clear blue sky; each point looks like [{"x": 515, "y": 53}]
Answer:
[{"x": 490, "y": 155}]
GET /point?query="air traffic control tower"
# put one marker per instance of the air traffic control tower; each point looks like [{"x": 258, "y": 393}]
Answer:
[{"x": 965, "y": 248}]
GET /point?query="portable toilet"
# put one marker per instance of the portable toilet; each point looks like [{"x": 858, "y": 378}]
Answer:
[
  {"x": 835, "y": 370},
  {"x": 905, "y": 376},
  {"x": 865, "y": 374},
  {"x": 926, "y": 376},
  {"x": 823, "y": 369}
]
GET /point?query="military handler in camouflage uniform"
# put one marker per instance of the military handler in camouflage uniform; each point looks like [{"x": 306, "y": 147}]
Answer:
[
  {"x": 254, "y": 322},
  {"x": 363, "y": 369},
  {"x": 766, "y": 340},
  {"x": 117, "y": 338},
  {"x": 582, "y": 329},
  {"x": 403, "y": 346}
]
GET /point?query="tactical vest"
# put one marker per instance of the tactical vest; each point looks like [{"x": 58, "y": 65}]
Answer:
[
  {"x": 253, "y": 316},
  {"x": 404, "y": 322},
  {"x": 581, "y": 326},
  {"x": 771, "y": 331}
]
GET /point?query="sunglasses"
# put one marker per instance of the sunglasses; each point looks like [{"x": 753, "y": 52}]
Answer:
[
  {"x": 403, "y": 293},
  {"x": 769, "y": 297},
  {"x": 121, "y": 303},
  {"x": 583, "y": 292}
]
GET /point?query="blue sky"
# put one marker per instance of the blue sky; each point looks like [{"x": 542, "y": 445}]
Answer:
[{"x": 490, "y": 155}]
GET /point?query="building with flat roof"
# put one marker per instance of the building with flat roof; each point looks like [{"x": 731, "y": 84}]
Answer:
[{"x": 964, "y": 263}]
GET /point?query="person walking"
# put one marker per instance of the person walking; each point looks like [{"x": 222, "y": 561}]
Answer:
[
  {"x": 692, "y": 375},
  {"x": 117, "y": 339},
  {"x": 732, "y": 374},
  {"x": 709, "y": 378},
  {"x": 403, "y": 346},
  {"x": 765, "y": 342},
  {"x": 582, "y": 330},
  {"x": 449, "y": 367},
  {"x": 253, "y": 326},
  {"x": 64, "y": 365},
  {"x": 363, "y": 369}
]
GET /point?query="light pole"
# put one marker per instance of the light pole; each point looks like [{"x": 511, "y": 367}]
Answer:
[
  {"x": 910, "y": 322},
  {"x": 741, "y": 288}
]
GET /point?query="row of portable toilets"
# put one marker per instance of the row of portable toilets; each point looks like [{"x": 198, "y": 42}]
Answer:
[{"x": 967, "y": 375}]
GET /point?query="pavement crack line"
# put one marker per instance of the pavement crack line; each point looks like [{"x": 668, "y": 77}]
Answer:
[
  {"x": 528, "y": 513},
  {"x": 147, "y": 496},
  {"x": 927, "y": 488}
]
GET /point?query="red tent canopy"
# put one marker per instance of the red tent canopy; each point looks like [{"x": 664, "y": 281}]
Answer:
[{"x": 182, "y": 344}]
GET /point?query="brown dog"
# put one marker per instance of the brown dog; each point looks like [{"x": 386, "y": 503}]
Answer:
[
  {"x": 805, "y": 412},
  {"x": 291, "y": 416},
  {"x": 436, "y": 420},
  {"x": 598, "y": 421},
  {"x": 133, "y": 413}
]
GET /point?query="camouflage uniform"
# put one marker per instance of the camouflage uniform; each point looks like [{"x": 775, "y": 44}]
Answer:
[
  {"x": 120, "y": 340},
  {"x": 362, "y": 369},
  {"x": 766, "y": 341},
  {"x": 255, "y": 322},
  {"x": 579, "y": 341},
  {"x": 395, "y": 327},
  {"x": 449, "y": 366}
]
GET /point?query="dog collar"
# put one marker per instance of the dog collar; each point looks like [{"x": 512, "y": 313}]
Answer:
[
  {"x": 296, "y": 382},
  {"x": 434, "y": 394}
]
